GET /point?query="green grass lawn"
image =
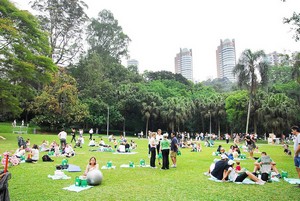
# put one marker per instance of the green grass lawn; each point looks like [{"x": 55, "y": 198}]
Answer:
[{"x": 186, "y": 182}]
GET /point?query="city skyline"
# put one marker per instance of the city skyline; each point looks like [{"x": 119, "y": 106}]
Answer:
[{"x": 159, "y": 28}]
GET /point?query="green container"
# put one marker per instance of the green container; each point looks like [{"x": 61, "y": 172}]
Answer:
[
  {"x": 142, "y": 162},
  {"x": 159, "y": 156},
  {"x": 217, "y": 153},
  {"x": 109, "y": 164},
  {"x": 178, "y": 153},
  {"x": 284, "y": 174},
  {"x": 77, "y": 181},
  {"x": 22, "y": 158},
  {"x": 64, "y": 162},
  {"x": 83, "y": 183},
  {"x": 131, "y": 164}
]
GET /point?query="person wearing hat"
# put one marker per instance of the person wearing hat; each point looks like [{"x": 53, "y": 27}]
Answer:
[
  {"x": 165, "y": 150},
  {"x": 232, "y": 175},
  {"x": 220, "y": 167}
]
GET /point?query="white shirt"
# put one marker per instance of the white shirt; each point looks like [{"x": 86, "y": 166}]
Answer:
[
  {"x": 62, "y": 135},
  {"x": 232, "y": 175},
  {"x": 297, "y": 143},
  {"x": 35, "y": 154}
]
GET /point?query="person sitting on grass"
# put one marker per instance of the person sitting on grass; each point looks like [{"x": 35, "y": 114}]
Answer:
[
  {"x": 44, "y": 146},
  {"x": 236, "y": 176},
  {"x": 259, "y": 162},
  {"x": 69, "y": 151},
  {"x": 220, "y": 167},
  {"x": 20, "y": 152},
  {"x": 91, "y": 166},
  {"x": 92, "y": 143},
  {"x": 34, "y": 154}
]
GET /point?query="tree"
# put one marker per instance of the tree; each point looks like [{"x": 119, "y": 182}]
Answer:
[
  {"x": 64, "y": 21},
  {"x": 58, "y": 104},
  {"x": 278, "y": 112},
  {"x": 24, "y": 62},
  {"x": 248, "y": 64},
  {"x": 106, "y": 37}
]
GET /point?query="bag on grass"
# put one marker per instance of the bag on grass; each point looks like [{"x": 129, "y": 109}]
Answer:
[{"x": 47, "y": 158}]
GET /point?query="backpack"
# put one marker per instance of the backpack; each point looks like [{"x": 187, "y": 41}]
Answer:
[{"x": 46, "y": 158}]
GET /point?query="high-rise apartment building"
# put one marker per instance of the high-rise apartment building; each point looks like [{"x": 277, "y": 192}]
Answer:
[
  {"x": 132, "y": 62},
  {"x": 184, "y": 63},
  {"x": 226, "y": 59}
]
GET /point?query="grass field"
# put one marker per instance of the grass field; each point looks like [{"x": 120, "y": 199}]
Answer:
[{"x": 186, "y": 182}]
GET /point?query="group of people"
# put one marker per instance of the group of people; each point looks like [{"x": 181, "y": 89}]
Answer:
[{"x": 161, "y": 145}]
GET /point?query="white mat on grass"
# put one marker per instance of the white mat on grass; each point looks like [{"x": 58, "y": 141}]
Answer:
[
  {"x": 77, "y": 188},
  {"x": 144, "y": 166},
  {"x": 126, "y": 166},
  {"x": 125, "y": 153},
  {"x": 246, "y": 181},
  {"x": 292, "y": 180},
  {"x": 104, "y": 167},
  {"x": 56, "y": 177}
]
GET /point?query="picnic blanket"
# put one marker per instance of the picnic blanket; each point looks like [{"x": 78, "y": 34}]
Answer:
[
  {"x": 73, "y": 168},
  {"x": 77, "y": 188},
  {"x": 125, "y": 153},
  {"x": 246, "y": 181},
  {"x": 144, "y": 166},
  {"x": 292, "y": 180},
  {"x": 104, "y": 167},
  {"x": 56, "y": 177}
]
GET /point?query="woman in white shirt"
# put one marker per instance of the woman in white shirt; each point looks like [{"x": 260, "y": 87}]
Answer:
[{"x": 34, "y": 155}]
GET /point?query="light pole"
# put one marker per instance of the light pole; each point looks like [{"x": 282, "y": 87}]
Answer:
[
  {"x": 107, "y": 128},
  {"x": 209, "y": 125}
]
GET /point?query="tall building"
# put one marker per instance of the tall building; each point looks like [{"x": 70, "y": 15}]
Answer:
[
  {"x": 184, "y": 63},
  {"x": 275, "y": 58},
  {"x": 226, "y": 59},
  {"x": 132, "y": 62}
]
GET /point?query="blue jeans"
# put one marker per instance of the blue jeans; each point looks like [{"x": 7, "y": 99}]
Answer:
[{"x": 297, "y": 161}]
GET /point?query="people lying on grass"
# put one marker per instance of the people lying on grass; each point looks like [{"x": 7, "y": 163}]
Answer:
[
  {"x": 92, "y": 143},
  {"x": 20, "y": 152},
  {"x": 44, "y": 146},
  {"x": 92, "y": 165},
  {"x": 207, "y": 144},
  {"x": 34, "y": 155},
  {"x": 220, "y": 167},
  {"x": 259, "y": 163},
  {"x": 237, "y": 176},
  {"x": 69, "y": 152}
]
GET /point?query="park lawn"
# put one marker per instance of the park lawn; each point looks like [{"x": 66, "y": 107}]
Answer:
[{"x": 186, "y": 182}]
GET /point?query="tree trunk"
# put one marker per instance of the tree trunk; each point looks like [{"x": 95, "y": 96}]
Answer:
[
  {"x": 147, "y": 127},
  {"x": 248, "y": 115}
]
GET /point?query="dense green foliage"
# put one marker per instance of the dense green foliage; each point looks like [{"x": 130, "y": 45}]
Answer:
[{"x": 24, "y": 62}]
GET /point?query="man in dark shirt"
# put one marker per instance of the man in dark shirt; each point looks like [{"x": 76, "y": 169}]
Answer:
[
  {"x": 174, "y": 149},
  {"x": 220, "y": 166}
]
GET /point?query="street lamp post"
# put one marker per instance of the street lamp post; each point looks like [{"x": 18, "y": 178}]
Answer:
[
  {"x": 209, "y": 124},
  {"x": 107, "y": 128}
]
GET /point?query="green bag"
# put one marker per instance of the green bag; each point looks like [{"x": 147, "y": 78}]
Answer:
[
  {"x": 159, "y": 156},
  {"x": 178, "y": 153}
]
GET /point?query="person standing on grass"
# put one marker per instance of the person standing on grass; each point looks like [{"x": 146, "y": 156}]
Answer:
[
  {"x": 73, "y": 135},
  {"x": 159, "y": 137},
  {"x": 174, "y": 149},
  {"x": 91, "y": 133},
  {"x": 296, "y": 132},
  {"x": 152, "y": 144},
  {"x": 165, "y": 150},
  {"x": 63, "y": 138}
]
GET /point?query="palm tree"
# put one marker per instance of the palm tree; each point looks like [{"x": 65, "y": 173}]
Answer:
[
  {"x": 246, "y": 70},
  {"x": 278, "y": 112},
  {"x": 150, "y": 107}
]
